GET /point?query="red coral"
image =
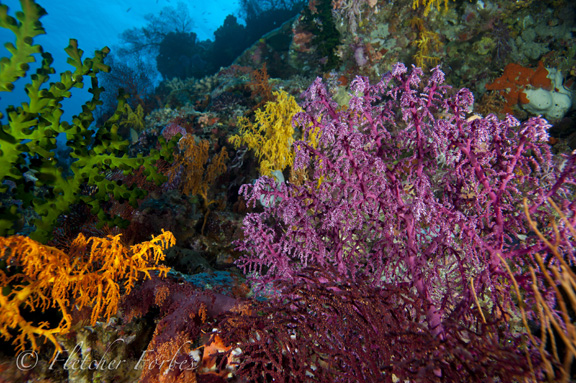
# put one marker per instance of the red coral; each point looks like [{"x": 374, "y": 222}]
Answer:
[
  {"x": 336, "y": 330},
  {"x": 184, "y": 310}
]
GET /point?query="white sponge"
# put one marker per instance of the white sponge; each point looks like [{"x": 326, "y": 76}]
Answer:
[{"x": 554, "y": 103}]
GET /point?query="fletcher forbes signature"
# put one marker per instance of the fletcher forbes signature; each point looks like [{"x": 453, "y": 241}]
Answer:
[{"x": 79, "y": 359}]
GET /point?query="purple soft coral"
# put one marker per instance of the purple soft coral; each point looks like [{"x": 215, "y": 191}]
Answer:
[{"x": 405, "y": 188}]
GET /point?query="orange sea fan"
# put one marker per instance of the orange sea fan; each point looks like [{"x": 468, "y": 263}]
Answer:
[{"x": 93, "y": 273}]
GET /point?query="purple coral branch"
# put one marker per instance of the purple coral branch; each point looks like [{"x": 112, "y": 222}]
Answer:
[{"x": 403, "y": 188}]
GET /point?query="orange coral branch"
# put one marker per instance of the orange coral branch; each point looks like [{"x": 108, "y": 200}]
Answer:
[
  {"x": 93, "y": 273},
  {"x": 260, "y": 86},
  {"x": 199, "y": 178}
]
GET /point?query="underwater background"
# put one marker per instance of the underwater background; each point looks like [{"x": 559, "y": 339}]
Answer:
[
  {"x": 288, "y": 191},
  {"x": 99, "y": 25}
]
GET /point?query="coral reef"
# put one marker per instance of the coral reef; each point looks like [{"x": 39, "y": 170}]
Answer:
[{"x": 340, "y": 216}]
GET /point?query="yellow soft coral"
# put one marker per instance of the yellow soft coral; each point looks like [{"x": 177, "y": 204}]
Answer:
[
  {"x": 426, "y": 42},
  {"x": 428, "y": 4},
  {"x": 272, "y": 135},
  {"x": 93, "y": 273}
]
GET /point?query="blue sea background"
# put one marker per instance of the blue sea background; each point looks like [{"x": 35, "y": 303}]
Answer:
[{"x": 96, "y": 24}]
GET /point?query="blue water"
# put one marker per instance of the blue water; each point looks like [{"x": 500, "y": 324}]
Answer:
[{"x": 96, "y": 24}]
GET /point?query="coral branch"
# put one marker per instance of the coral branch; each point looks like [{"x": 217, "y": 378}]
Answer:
[
  {"x": 94, "y": 273},
  {"x": 403, "y": 188}
]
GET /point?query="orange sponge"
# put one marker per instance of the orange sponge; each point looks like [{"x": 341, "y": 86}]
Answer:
[{"x": 514, "y": 81}]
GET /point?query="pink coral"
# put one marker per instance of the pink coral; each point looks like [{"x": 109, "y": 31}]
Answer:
[
  {"x": 403, "y": 188},
  {"x": 172, "y": 130}
]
